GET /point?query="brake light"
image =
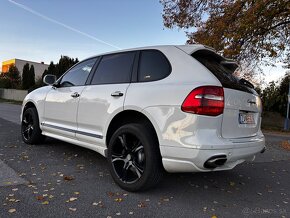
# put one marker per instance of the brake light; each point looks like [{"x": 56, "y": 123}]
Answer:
[{"x": 205, "y": 100}]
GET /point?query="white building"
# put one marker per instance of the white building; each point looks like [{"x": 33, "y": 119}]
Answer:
[{"x": 39, "y": 68}]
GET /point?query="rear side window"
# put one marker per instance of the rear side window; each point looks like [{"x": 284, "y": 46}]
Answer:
[
  {"x": 153, "y": 65},
  {"x": 115, "y": 68},
  {"x": 224, "y": 72}
]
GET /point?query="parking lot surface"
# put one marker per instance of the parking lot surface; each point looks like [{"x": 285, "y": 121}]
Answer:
[{"x": 57, "y": 179}]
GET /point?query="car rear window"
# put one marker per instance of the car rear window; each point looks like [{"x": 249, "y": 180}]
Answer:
[{"x": 224, "y": 72}]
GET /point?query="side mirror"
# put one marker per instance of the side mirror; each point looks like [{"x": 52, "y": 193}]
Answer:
[{"x": 49, "y": 79}]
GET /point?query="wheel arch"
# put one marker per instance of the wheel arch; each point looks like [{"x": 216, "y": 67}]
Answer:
[
  {"x": 29, "y": 104},
  {"x": 129, "y": 116}
]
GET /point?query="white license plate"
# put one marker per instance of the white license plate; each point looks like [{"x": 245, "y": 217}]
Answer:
[{"x": 246, "y": 118}]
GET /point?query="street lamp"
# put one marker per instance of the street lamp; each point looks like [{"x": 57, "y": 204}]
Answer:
[{"x": 286, "y": 123}]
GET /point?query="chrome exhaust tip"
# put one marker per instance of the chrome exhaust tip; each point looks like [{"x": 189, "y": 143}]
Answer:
[{"x": 215, "y": 161}]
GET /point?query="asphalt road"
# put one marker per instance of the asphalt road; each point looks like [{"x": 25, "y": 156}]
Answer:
[{"x": 57, "y": 179}]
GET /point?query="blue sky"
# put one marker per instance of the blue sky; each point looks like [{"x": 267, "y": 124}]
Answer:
[
  {"x": 121, "y": 23},
  {"x": 125, "y": 24}
]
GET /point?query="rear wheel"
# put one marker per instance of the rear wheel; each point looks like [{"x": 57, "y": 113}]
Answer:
[
  {"x": 30, "y": 130},
  {"x": 134, "y": 157}
]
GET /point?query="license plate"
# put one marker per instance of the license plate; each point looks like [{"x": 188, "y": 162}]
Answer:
[{"x": 246, "y": 118}]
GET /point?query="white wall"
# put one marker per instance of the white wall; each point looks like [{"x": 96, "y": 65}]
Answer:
[
  {"x": 13, "y": 94},
  {"x": 38, "y": 67}
]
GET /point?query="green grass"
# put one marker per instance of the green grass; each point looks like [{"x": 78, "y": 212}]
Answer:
[
  {"x": 10, "y": 101},
  {"x": 272, "y": 121}
]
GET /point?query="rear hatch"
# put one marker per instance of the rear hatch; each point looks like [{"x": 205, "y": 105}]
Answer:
[{"x": 242, "y": 108}]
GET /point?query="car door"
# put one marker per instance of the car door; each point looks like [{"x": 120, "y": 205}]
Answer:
[
  {"x": 61, "y": 102},
  {"x": 104, "y": 97}
]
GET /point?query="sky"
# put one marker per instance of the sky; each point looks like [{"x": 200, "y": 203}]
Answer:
[{"x": 39, "y": 30}]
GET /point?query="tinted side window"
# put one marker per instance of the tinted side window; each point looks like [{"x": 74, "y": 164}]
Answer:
[
  {"x": 115, "y": 68},
  {"x": 77, "y": 76},
  {"x": 153, "y": 65}
]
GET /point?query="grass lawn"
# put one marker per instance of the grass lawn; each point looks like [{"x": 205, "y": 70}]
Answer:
[
  {"x": 272, "y": 121},
  {"x": 10, "y": 101}
]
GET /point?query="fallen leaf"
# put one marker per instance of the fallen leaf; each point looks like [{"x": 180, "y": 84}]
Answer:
[
  {"x": 76, "y": 193},
  {"x": 286, "y": 145},
  {"x": 45, "y": 203},
  {"x": 68, "y": 178},
  {"x": 12, "y": 210},
  {"x": 141, "y": 205},
  {"x": 111, "y": 194},
  {"x": 118, "y": 199},
  {"x": 166, "y": 199},
  {"x": 72, "y": 199}
]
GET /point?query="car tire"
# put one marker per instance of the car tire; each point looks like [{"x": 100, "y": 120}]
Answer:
[
  {"x": 134, "y": 157},
  {"x": 30, "y": 130}
]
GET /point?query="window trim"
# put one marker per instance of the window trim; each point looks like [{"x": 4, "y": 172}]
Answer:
[
  {"x": 133, "y": 68},
  {"x": 139, "y": 59},
  {"x": 60, "y": 78}
]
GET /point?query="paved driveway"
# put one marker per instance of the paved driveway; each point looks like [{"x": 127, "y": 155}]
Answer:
[{"x": 57, "y": 179}]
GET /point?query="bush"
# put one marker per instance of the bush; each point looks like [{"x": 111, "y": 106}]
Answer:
[{"x": 5, "y": 82}]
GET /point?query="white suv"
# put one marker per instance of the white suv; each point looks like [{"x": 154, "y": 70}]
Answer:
[{"x": 178, "y": 108}]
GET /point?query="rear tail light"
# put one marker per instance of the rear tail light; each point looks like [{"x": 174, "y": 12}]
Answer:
[{"x": 205, "y": 100}]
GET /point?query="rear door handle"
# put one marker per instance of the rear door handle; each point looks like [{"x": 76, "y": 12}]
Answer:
[
  {"x": 117, "y": 94},
  {"x": 75, "y": 95}
]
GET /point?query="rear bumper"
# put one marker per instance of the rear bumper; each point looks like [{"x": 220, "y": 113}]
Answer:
[{"x": 181, "y": 159}]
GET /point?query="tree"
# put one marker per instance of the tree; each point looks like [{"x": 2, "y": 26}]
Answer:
[
  {"x": 270, "y": 97},
  {"x": 283, "y": 94},
  {"x": 249, "y": 31},
  {"x": 64, "y": 64},
  {"x": 31, "y": 76},
  {"x": 51, "y": 68},
  {"x": 4, "y": 81},
  {"x": 25, "y": 76},
  {"x": 274, "y": 96},
  {"x": 14, "y": 76},
  {"x": 45, "y": 72}
]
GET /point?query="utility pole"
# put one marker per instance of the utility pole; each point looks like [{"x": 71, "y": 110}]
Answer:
[{"x": 286, "y": 123}]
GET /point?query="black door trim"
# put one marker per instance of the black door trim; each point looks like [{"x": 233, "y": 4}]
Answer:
[{"x": 73, "y": 131}]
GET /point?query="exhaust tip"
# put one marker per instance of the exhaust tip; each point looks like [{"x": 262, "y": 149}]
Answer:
[{"x": 215, "y": 161}]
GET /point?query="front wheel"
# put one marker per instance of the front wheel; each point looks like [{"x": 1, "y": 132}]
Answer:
[
  {"x": 134, "y": 157},
  {"x": 30, "y": 130}
]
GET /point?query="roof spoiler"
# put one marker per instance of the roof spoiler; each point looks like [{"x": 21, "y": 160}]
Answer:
[{"x": 230, "y": 64}]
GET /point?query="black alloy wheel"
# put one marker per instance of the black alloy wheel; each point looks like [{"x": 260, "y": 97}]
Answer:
[
  {"x": 128, "y": 158},
  {"x": 134, "y": 157},
  {"x": 30, "y": 130}
]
